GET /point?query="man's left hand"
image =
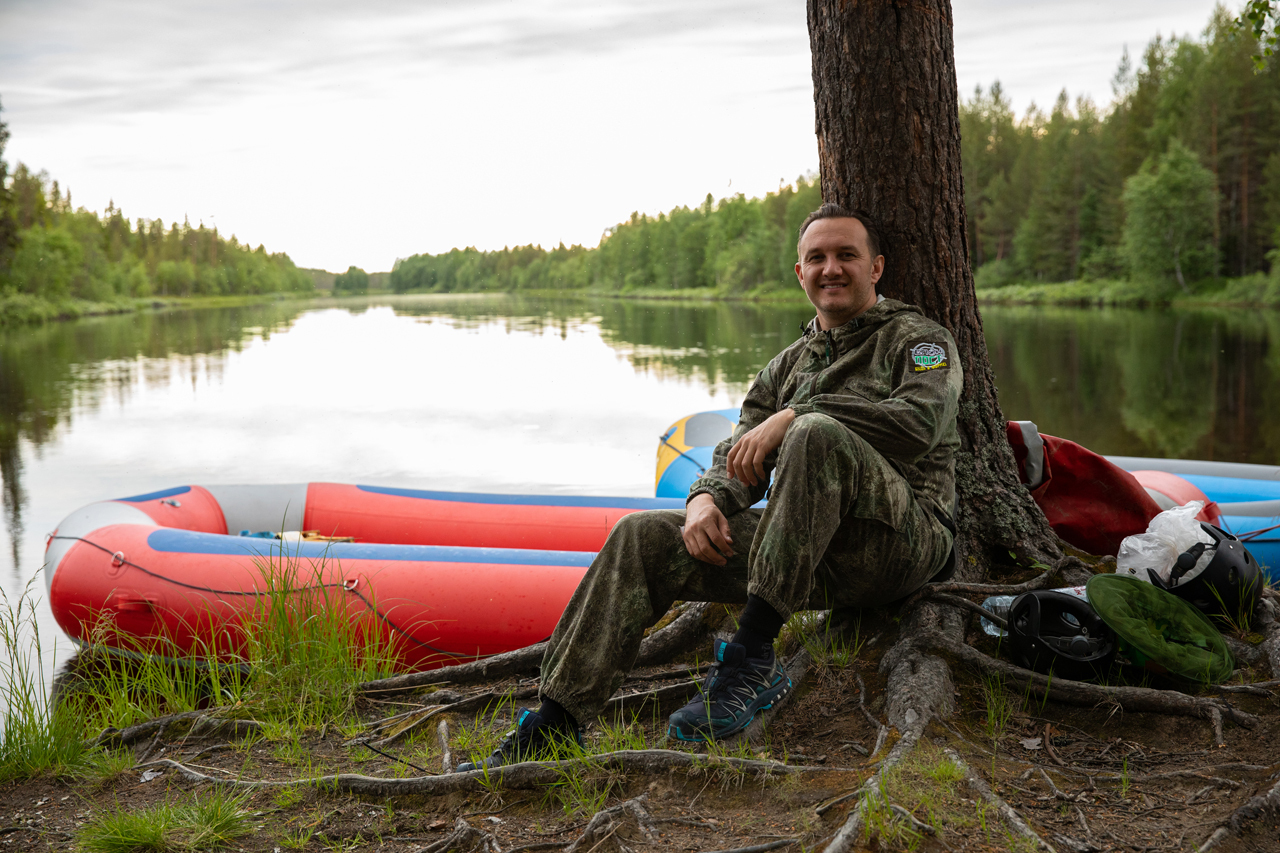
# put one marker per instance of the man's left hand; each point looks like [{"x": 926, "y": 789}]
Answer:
[{"x": 746, "y": 457}]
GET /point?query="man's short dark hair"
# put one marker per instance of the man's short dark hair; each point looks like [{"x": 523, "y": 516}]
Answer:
[{"x": 835, "y": 211}]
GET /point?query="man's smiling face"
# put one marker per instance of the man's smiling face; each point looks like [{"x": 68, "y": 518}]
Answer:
[{"x": 837, "y": 271}]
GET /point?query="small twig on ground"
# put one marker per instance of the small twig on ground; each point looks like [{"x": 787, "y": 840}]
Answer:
[
  {"x": 1052, "y": 787},
  {"x": 634, "y": 703},
  {"x": 373, "y": 748},
  {"x": 1218, "y": 739},
  {"x": 146, "y": 753},
  {"x": 446, "y": 758},
  {"x": 910, "y": 820},
  {"x": 682, "y": 672},
  {"x": 862, "y": 703}
]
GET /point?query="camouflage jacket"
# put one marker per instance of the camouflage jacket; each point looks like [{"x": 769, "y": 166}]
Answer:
[{"x": 890, "y": 375}]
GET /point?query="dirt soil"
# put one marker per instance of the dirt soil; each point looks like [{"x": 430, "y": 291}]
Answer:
[{"x": 1086, "y": 779}]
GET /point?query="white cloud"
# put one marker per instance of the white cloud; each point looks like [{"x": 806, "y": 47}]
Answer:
[{"x": 355, "y": 133}]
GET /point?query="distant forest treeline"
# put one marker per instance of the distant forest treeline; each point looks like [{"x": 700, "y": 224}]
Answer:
[
  {"x": 1177, "y": 181},
  {"x": 50, "y": 251}
]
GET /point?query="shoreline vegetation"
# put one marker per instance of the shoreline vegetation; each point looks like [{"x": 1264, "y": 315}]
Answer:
[{"x": 1167, "y": 196}]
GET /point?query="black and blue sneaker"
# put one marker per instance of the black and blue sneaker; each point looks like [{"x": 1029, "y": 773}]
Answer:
[
  {"x": 533, "y": 739},
  {"x": 735, "y": 690}
]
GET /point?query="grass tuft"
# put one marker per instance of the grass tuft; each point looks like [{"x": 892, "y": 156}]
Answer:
[
  {"x": 202, "y": 824},
  {"x": 36, "y": 736}
]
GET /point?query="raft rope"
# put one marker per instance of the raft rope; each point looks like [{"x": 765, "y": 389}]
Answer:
[
  {"x": 1254, "y": 534},
  {"x": 663, "y": 439},
  {"x": 119, "y": 555}
]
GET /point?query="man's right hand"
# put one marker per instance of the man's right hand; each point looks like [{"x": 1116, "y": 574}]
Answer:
[{"x": 706, "y": 531}]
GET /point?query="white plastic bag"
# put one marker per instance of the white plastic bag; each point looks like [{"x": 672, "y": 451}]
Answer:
[{"x": 1168, "y": 535}]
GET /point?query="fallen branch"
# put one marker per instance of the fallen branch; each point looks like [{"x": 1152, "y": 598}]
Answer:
[
  {"x": 659, "y": 646},
  {"x": 1007, "y": 812},
  {"x": 1255, "y": 808},
  {"x": 529, "y": 774},
  {"x": 1082, "y": 693}
]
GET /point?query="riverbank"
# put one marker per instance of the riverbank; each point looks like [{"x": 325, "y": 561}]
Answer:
[
  {"x": 22, "y": 309},
  {"x": 1254, "y": 291}
]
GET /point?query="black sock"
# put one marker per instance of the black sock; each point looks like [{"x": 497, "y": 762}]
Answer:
[
  {"x": 758, "y": 626},
  {"x": 555, "y": 715}
]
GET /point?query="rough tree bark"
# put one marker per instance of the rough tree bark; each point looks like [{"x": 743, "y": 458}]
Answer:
[{"x": 889, "y": 143}]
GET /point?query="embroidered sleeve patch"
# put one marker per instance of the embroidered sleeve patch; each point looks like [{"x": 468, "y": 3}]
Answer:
[{"x": 928, "y": 356}]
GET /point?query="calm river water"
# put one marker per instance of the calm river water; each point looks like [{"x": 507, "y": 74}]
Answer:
[{"x": 506, "y": 394}]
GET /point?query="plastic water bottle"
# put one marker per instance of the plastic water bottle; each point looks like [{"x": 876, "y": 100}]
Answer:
[{"x": 999, "y": 605}]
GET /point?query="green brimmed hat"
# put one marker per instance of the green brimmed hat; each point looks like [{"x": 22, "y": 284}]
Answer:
[{"x": 1160, "y": 631}]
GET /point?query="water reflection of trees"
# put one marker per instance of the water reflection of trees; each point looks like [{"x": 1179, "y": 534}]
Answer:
[
  {"x": 1200, "y": 384},
  {"x": 48, "y": 372},
  {"x": 1188, "y": 384},
  {"x": 722, "y": 344}
]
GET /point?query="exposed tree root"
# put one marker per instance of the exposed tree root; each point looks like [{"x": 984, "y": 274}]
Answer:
[
  {"x": 1255, "y": 809},
  {"x": 465, "y": 837},
  {"x": 1042, "y": 581},
  {"x": 528, "y": 774},
  {"x": 658, "y": 647},
  {"x": 140, "y": 732},
  {"x": 919, "y": 689},
  {"x": 845, "y": 837},
  {"x": 1082, "y": 693},
  {"x": 618, "y": 823},
  {"x": 446, "y": 756},
  {"x": 1006, "y": 811},
  {"x": 966, "y": 604}
]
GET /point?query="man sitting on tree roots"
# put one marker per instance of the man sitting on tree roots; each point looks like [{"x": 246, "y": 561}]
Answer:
[{"x": 857, "y": 422}]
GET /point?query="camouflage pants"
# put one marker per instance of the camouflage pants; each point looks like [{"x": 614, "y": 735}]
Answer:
[{"x": 842, "y": 528}]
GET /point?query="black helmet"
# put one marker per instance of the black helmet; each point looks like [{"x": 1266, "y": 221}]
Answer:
[
  {"x": 1229, "y": 585},
  {"x": 1059, "y": 632}
]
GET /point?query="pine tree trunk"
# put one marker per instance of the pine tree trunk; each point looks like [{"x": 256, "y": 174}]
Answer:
[{"x": 889, "y": 143}]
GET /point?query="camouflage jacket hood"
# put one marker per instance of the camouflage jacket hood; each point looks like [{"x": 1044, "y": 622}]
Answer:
[{"x": 890, "y": 375}]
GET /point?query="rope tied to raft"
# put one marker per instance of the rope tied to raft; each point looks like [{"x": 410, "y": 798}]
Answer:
[{"x": 118, "y": 559}]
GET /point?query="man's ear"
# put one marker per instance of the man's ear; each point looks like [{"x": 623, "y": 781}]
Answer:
[
  {"x": 800, "y": 275},
  {"x": 877, "y": 268}
]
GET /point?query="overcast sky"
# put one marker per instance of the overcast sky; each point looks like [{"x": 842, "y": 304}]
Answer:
[{"x": 355, "y": 133}]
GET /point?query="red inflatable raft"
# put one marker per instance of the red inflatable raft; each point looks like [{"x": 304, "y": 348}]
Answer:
[{"x": 443, "y": 576}]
